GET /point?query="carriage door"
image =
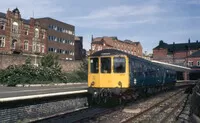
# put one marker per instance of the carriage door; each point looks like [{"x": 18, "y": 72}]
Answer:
[{"x": 106, "y": 79}]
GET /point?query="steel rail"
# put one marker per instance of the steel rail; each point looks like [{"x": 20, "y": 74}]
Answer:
[{"x": 152, "y": 107}]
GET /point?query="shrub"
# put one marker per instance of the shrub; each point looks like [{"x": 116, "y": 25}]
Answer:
[{"x": 49, "y": 71}]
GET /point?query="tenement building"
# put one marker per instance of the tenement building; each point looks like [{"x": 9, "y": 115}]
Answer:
[
  {"x": 60, "y": 37},
  {"x": 18, "y": 35},
  {"x": 127, "y": 46}
]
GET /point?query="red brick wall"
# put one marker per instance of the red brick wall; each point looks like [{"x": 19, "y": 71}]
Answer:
[
  {"x": 180, "y": 54},
  {"x": 135, "y": 49},
  {"x": 194, "y": 60},
  {"x": 20, "y": 36},
  {"x": 12, "y": 59},
  {"x": 159, "y": 54}
]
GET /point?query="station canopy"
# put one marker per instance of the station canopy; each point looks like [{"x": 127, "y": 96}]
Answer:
[{"x": 172, "y": 66}]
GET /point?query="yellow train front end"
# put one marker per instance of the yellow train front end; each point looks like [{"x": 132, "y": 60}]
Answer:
[{"x": 108, "y": 75}]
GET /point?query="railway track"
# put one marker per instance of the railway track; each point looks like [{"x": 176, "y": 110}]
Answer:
[
  {"x": 83, "y": 115},
  {"x": 160, "y": 106},
  {"x": 161, "y": 112}
]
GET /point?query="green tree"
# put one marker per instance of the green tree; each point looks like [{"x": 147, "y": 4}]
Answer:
[
  {"x": 84, "y": 65},
  {"x": 51, "y": 61}
]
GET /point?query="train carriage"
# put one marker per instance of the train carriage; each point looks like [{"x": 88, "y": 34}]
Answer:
[{"x": 113, "y": 73}]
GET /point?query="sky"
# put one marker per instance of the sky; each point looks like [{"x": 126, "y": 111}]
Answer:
[{"x": 146, "y": 21}]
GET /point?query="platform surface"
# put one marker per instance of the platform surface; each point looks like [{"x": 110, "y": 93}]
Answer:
[{"x": 14, "y": 93}]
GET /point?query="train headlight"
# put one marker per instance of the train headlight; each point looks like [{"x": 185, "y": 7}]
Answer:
[
  {"x": 120, "y": 84},
  {"x": 135, "y": 81},
  {"x": 92, "y": 84}
]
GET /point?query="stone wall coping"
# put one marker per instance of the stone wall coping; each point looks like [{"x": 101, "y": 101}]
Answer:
[{"x": 52, "y": 84}]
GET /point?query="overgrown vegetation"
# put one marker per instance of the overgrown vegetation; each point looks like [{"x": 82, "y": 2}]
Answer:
[{"x": 48, "y": 71}]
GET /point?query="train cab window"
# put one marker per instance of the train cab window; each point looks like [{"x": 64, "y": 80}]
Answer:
[
  {"x": 94, "y": 65},
  {"x": 119, "y": 65},
  {"x": 105, "y": 65}
]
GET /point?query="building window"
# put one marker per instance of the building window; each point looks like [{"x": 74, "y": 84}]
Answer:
[
  {"x": 93, "y": 47},
  {"x": 15, "y": 27},
  {"x": 2, "y": 26},
  {"x": 198, "y": 63},
  {"x": 36, "y": 33},
  {"x": 55, "y": 27},
  {"x": 134, "y": 53},
  {"x": 34, "y": 46},
  {"x": 26, "y": 32},
  {"x": 49, "y": 38},
  {"x": 63, "y": 51},
  {"x": 26, "y": 45},
  {"x": 43, "y": 35},
  {"x": 99, "y": 48},
  {"x": 2, "y": 41},
  {"x": 55, "y": 50},
  {"x": 51, "y": 49},
  {"x": 42, "y": 48},
  {"x": 50, "y": 26},
  {"x": 13, "y": 45},
  {"x": 55, "y": 39},
  {"x": 38, "y": 47},
  {"x": 190, "y": 63},
  {"x": 70, "y": 32}
]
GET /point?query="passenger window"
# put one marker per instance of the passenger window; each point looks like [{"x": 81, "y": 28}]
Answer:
[
  {"x": 94, "y": 66},
  {"x": 105, "y": 65},
  {"x": 119, "y": 65}
]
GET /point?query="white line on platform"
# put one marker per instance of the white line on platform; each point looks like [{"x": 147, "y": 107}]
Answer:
[
  {"x": 22, "y": 91},
  {"x": 41, "y": 96}
]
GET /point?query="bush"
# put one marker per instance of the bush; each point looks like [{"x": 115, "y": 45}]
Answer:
[{"x": 49, "y": 71}]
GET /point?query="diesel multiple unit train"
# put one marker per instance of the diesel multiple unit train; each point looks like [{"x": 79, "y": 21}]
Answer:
[{"x": 116, "y": 74}]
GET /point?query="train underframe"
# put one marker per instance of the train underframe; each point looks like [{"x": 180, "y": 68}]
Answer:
[{"x": 121, "y": 95}]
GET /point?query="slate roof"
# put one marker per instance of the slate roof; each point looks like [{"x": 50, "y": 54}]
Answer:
[
  {"x": 26, "y": 21},
  {"x": 179, "y": 47},
  {"x": 195, "y": 54},
  {"x": 162, "y": 44},
  {"x": 2, "y": 15},
  {"x": 97, "y": 42}
]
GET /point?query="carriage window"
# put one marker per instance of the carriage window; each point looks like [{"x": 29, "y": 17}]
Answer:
[
  {"x": 119, "y": 65},
  {"x": 94, "y": 66},
  {"x": 105, "y": 65}
]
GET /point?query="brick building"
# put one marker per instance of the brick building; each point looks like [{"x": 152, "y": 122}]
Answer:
[
  {"x": 184, "y": 54},
  {"x": 175, "y": 53},
  {"x": 80, "y": 53},
  {"x": 127, "y": 46},
  {"x": 194, "y": 63},
  {"x": 60, "y": 37},
  {"x": 18, "y": 35}
]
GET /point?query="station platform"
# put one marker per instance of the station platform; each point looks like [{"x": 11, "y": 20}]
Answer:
[{"x": 22, "y": 93}]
